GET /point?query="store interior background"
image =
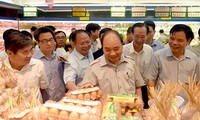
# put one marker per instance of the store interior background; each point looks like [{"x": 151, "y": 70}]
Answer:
[{"x": 99, "y": 11}]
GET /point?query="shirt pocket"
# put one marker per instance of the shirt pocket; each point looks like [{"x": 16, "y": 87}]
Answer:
[{"x": 128, "y": 82}]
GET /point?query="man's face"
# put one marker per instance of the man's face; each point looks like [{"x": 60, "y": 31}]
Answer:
[
  {"x": 95, "y": 34},
  {"x": 22, "y": 57},
  {"x": 60, "y": 40},
  {"x": 139, "y": 36},
  {"x": 178, "y": 42},
  {"x": 46, "y": 42},
  {"x": 112, "y": 48},
  {"x": 151, "y": 34},
  {"x": 83, "y": 43}
]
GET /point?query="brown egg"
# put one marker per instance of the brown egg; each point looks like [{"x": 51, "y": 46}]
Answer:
[
  {"x": 43, "y": 109},
  {"x": 99, "y": 93},
  {"x": 73, "y": 96},
  {"x": 84, "y": 117},
  {"x": 93, "y": 95},
  {"x": 80, "y": 96},
  {"x": 53, "y": 111},
  {"x": 87, "y": 96},
  {"x": 63, "y": 115},
  {"x": 73, "y": 116},
  {"x": 68, "y": 95}
]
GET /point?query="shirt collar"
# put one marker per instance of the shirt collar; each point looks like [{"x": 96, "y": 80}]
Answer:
[
  {"x": 170, "y": 54},
  {"x": 80, "y": 56},
  {"x": 40, "y": 54},
  {"x": 132, "y": 50},
  {"x": 105, "y": 61},
  {"x": 31, "y": 63}
]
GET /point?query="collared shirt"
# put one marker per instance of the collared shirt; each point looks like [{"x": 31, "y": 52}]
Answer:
[
  {"x": 142, "y": 58},
  {"x": 164, "y": 66},
  {"x": 79, "y": 64},
  {"x": 156, "y": 45},
  {"x": 95, "y": 45},
  {"x": 31, "y": 76},
  {"x": 121, "y": 78},
  {"x": 54, "y": 70}
]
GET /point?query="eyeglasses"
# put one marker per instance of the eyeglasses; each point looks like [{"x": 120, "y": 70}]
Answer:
[
  {"x": 51, "y": 40},
  {"x": 60, "y": 37}
]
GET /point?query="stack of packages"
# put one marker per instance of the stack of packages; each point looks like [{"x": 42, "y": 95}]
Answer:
[
  {"x": 15, "y": 102},
  {"x": 82, "y": 104},
  {"x": 122, "y": 107}
]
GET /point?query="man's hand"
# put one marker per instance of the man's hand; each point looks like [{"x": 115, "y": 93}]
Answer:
[{"x": 87, "y": 85}]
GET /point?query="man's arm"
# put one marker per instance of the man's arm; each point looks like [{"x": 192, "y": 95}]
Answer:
[
  {"x": 71, "y": 85},
  {"x": 139, "y": 92}
]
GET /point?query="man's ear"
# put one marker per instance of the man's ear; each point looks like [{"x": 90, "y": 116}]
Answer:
[
  {"x": 9, "y": 52},
  {"x": 189, "y": 41}
]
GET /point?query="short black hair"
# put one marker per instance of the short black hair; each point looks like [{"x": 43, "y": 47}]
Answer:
[
  {"x": 129, "y": 30},
  {"x": 161, "y": 31},
  {"x": 140, "y": 25},
  {"x": 8, "y": 32},
  {"x": 57, "y": 32},
  {"x": 199, "y": 31},
  {"x": 150, "y": 23},
  {"x": 43, "y": 30},
  {"x": 51, "y": 27},
  {"x": 75, "y": 33},
  {"x": 33, "y": 28},
  {"x": 92, "y": 27},
  {"x": 104, "y": 30},
  {"x": 27, "y": 33},
  {"x": 16, "y": 41},
  {"x": 182, "y": 27}
]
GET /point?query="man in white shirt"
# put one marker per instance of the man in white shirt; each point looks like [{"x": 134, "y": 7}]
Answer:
[
  {"x": 79, "y": 59},
  {"x": 30, "y": 73},
  {"x": 140, "y": 51}
]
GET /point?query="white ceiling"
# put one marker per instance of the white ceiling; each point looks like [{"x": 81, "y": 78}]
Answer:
[{"x": 106, "y": 2}]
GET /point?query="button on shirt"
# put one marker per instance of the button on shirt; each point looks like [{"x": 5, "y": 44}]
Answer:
[
  {"x": 122, "y": 78},
  {"x": 164, "y": 66},
  {"x": 142, "y": 58},
  {"x": 54, "y": 70},
  {"x": 79, "y": 64},
  {"x": 31, "y": 76}
]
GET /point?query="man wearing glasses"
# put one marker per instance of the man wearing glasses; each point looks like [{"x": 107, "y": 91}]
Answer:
[{"x": 45, "y": 39}]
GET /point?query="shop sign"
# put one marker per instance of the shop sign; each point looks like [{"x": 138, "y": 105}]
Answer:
[
  {"x": 30, "y": 11},
  {"x": 179, "y": 12},
  {"x": 78, "y": 11},
  {"x": 118, "y": 11},
  {"x": 162, "y": 12},
  {"x": 194, "y": 12},
  {"x": 84, "y": 18},
  {"x": 138, "y": 11}
]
